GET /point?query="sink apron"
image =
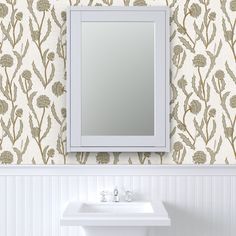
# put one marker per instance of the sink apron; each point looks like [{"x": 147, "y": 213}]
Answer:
[{"x": 115, "y": 231}]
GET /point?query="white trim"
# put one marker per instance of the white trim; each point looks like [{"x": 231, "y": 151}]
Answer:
[
  {"x": 68, "y": 96},
  {"x": 127, "y": 141},
  {"x": 117, "y": 170},
  {"x": 120, "y": 149},
  {"x": 117, "y": 8}
]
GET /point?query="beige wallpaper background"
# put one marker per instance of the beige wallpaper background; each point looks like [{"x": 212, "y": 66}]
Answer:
[{"x": 33, "y": 78}]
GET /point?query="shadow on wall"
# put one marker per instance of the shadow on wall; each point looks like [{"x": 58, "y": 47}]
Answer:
[{"x": 185, "y": 222}]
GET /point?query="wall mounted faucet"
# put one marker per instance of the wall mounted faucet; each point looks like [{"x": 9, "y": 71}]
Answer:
[
  {"x": 109, "y": 196},
  {"x": 116, "y": 195}
]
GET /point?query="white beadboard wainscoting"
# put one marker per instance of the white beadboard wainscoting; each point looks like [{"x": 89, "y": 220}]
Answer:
[{"x": 201, "y": 201}]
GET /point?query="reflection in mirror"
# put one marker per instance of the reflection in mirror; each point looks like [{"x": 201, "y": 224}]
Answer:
[{"x": 117, "y": 78}]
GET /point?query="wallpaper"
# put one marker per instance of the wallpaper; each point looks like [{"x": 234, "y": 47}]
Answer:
[{"x": 33, "y": 78}]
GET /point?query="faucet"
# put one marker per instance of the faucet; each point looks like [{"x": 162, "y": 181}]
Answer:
[
  {"x": 128, "y": 196},
  {"x": 103, "y": 196},
  {"x": 116, "y": 195}
]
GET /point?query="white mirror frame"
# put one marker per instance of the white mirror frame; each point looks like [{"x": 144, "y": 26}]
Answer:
[{"x": 160, "y": 141}]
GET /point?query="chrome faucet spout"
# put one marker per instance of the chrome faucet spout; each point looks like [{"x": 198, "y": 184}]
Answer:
[{"x": 116, "y": 195}]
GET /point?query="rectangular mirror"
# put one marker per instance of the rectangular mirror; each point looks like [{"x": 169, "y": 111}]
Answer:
[
  {"x": 118, "y": 79},
  {"x": 112, "y": 104}
]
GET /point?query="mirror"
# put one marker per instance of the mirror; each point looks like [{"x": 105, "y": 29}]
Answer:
[
  {"x": 118, "y": 79},
  {"x": 118, "y": 92}
]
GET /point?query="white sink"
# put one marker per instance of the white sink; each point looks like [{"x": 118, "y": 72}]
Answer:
[{"x": 111, "y": 218}]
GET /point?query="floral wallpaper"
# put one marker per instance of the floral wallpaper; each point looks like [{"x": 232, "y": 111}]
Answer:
[{"x": 33, "y": 78}]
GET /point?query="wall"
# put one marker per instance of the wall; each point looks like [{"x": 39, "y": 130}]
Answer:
[
  {"x": 199, "y": 201},
  {"x": 32, "y": 84}
]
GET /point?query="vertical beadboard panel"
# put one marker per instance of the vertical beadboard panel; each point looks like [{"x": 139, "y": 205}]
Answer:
[
  {"x": 57, "y": 206},
  {"x": 11, "y": 205},
  {"x": 180, "y": 201},
  {"x": 233, "y": 206},
  {"x": 3, "y": 208},
  {"x": 92, "y": 189},
  {"x": 144, "y": 188},
  {"x": 20, "y": 204},
  {"x": 72, "y": 196},
  {"x": 207, "y": 204},
  {"x": 137, "y": 187},
  {"x": 37, "y": 205},
  {"x": 28, "y": 225},
  {"x": 48, "y": 205},
  {"x": 64, "y": 198},
  {"x": 217, "y": 188},
  {"x": 197, "y": 205}
]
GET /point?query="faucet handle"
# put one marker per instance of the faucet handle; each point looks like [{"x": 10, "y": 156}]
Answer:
[
  {"x": 103, "y": 196},
  {"x": 128, "y": 196}
]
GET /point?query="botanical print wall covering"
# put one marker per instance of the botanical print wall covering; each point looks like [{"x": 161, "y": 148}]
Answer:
[{"x": 33, "y": 78}]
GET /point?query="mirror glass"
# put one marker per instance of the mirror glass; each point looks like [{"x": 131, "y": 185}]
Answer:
[{"x": 117, "y": 78}]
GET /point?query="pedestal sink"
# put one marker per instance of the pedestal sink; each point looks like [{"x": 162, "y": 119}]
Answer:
[{"x": 115, "y": 219}]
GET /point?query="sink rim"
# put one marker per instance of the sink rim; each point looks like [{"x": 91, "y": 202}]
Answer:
[
  {"x": 72, "y": 217},
  {"x": 135, "y": 208}
]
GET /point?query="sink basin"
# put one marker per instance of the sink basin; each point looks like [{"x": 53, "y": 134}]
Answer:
[
  {"x": 112, "y": 214},
  {"x": 116, "y": 208}
]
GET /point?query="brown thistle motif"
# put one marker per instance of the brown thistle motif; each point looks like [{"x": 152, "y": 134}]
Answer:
[{"x": 39, "y": 38}]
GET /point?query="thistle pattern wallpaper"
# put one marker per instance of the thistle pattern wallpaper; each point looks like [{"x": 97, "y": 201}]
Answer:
[{"x": 33, "y": 78}]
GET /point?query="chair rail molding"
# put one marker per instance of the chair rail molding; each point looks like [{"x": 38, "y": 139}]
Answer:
[{"x": 119, "y": 170}]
